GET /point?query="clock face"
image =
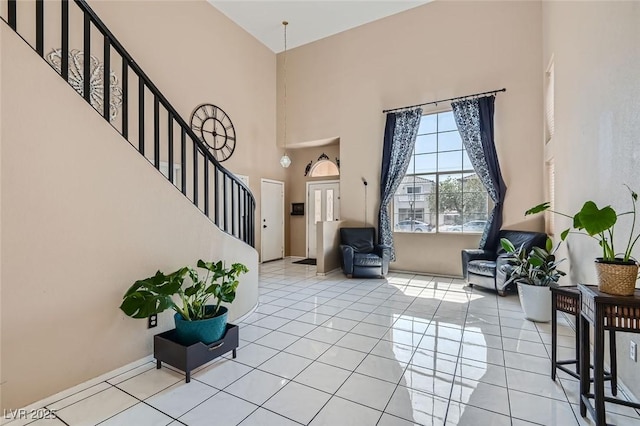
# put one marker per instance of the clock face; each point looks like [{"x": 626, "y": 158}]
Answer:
[{"x": 215, "y": 129}]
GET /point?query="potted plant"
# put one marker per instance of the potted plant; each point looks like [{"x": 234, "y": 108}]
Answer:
[
  {"x": 195, "y": 320},
  {"x": 617, "y": 271},
  {"x": 534, "y": 272}
]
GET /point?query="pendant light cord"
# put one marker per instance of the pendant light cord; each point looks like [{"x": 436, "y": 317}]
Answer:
[{"x": 285, "y": 23}]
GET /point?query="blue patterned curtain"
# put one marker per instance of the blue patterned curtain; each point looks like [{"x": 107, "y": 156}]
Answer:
[
  {"x": 474, "y": 118},
  {"x": 399, "y": 139}
]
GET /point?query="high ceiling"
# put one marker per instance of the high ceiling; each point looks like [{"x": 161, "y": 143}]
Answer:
[{"x": 309, "y": 20}]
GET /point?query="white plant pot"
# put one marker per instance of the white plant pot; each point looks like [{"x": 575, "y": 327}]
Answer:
[{"x": 535, "y": 301}]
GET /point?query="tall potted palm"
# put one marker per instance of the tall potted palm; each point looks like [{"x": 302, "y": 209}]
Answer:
[
  {"x": 195, "y": 320},
  {"x": 534, "y": 272},
  {"x": 617, "y": 271}
]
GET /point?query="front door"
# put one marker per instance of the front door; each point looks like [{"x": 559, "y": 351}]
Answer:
[
  {"x": 323, "y": 199},
  {"x": 272, "y": 220}
]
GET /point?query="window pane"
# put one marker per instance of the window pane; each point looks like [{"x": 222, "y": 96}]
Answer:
[
  {"x": 317, "y": 205},
  {"x": 466, "y": 163},
  {"x": 428, "y": 124},
  {"x": 329, "y": 205},
  {"x": 446, "y": 122},
  {"x": 449, "y": 141},
  {"x": 425, "y": 163},
  {"x": 450, "y": 205},
  {"x": 426, "y": 144},
  {"x": 450, "y": 161}
]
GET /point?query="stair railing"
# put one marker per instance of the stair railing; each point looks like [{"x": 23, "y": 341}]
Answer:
[{"x": 188, "y": 163}]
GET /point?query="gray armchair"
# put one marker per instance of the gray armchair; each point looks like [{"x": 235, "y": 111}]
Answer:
[
  {"x": 360, "y": 256},
  {"x": 489, "y": 268}
]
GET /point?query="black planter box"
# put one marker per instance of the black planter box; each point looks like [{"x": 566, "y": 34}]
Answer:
[{"x": 167, "y": 349}]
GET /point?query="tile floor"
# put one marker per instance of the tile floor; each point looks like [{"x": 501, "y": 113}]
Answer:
[{"x": 410, "y": 349}]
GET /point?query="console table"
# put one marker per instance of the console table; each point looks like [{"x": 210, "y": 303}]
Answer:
[{"x": 604, "y": 312}]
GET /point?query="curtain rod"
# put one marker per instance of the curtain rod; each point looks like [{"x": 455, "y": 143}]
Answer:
[{"x": 445, "y": 100}]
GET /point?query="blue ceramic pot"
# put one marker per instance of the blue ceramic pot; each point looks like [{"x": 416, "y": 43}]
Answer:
[{"x": 206, "y": 331}]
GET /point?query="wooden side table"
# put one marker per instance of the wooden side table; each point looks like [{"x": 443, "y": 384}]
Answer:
[
  {"x": 567, "y": 299},
  {"x": 604, "y": 312}
]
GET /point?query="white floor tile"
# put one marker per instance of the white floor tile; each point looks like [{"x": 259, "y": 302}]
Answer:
[
  {"x": 181, "y": 397},
  {"x": 482, "y": 372},
  {"x": 140, "y": 415},
  {"x": 297, "y": 402},
  {"x": 537, "y": 384},
  {"x": 257, "y": 386},
  {"x": 536, "y": 409},
  {"x": 253, "y": 355},
  {"x": 389, "y": 420},
  {"x": 151, "y": 382},
  {"x": 222, "y": 374},
  {"x": 481, "y": 395},
  {"x": 341, "y": 412},
  {"x": 222, "y": 410},
  {"x": 342, "y": 357},
  {"x": 326, "y": 335},
  {"x": 417, "y": 407},
  {"x": 395, "y": 351},
  {"x": 382, "y": 368},
  {"x": 96, "y": 408},
  {"x": 271, "y": 322},
  {"x": 324, "y": 377},
  {"x": 78, "y": 396},
  {"x": 428, "y": 380},
  {"x": 338, "y": 323},
  {"x": 308, "y": 348},
  {"x": 466, "y": 415},
  {"x": 277, "y": 340},
  {"x": 285, "y": 365},
  {"x": 250, "y": 332},
  {"x": 297, "y": 328},
  {"x": 262, "y": 417},
  {"x": 132, "y": 373},
  {"x": 367, "y": 391},
  {"x": 370, "y": 330},
  {"x": 357, "y": 342},
  {"x": 313, "y": 318}
]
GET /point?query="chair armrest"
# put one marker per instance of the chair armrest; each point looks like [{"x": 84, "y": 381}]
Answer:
[
  {"x": 346, "y": 259},
  {"x": 474, "y": 254},
  {"x": 504, "y": 268},
  {"x": 384, "y": 251}
]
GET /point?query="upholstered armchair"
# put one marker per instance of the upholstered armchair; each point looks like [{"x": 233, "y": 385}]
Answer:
[
  {"x": 360, "y": 256},
  {"x": 490, "y": 268}
]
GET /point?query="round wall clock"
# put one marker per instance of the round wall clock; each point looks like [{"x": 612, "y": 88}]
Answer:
[{"x": 215, "y": 129}]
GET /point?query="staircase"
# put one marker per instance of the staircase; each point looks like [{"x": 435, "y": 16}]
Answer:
[{"x": 135, "y": 108}]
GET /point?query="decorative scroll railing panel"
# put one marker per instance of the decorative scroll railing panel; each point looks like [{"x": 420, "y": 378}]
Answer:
[{"x": 133, "y": 105}]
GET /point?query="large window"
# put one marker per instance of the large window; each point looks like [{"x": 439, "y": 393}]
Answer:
[{"x": 440, "y": 192}]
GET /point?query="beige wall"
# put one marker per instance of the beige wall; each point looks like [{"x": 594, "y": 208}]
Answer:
[
  {"x": 338, "y": 87},
  {"x": 596, "y": 58},
  {"x": 83, "y": 215},
  {"x": 296, "y": 230},
  {"x": 195, "y": 54},
  {"x": 328, "y": 246}
]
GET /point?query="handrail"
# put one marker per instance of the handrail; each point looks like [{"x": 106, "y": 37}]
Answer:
[
  {"x": 241, "y": 224},
  {"x": 100, "y": 25}
]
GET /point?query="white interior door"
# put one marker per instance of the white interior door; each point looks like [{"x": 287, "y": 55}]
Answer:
[
  {"x": 323, "y": 201},
  {"x": 272, "y": 220}
]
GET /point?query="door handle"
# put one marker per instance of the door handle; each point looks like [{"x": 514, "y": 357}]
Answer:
[{"x": 264, "y": 226}]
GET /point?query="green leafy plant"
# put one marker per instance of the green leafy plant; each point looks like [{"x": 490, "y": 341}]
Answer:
[
  {"x": 155, "y": 294},
  {"x": 600, "y": 225},
  {"x": 536, "y": 267}
]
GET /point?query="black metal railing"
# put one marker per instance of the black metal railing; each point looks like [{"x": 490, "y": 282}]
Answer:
[{"x": 191, "y": 167}]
